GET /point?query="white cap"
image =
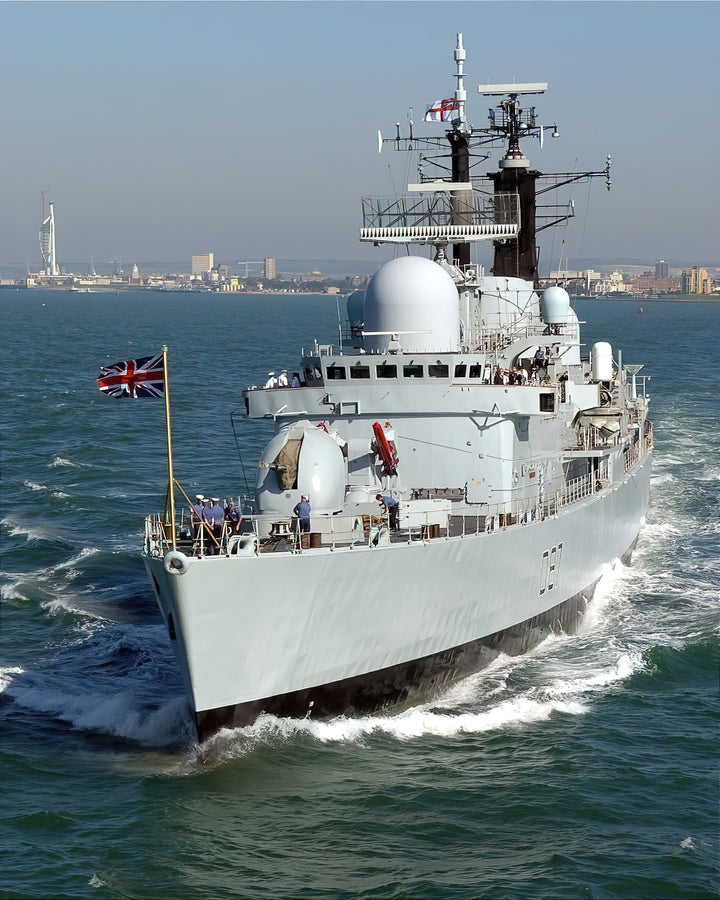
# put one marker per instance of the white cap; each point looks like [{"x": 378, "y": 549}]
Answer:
[
  {"x": 199, "y": 496},
  {"x": 215, "y": 499},
  {"x": 271, "y": 373}
]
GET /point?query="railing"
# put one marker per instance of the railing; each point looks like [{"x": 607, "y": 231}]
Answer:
[
  {"x": 591, "y": 438},
  {"x": 640, "y": 443},
  {"x": 265, "y": 534},
  {"x": 439, "y": 211},
  {"x": 269, "y": 534}
]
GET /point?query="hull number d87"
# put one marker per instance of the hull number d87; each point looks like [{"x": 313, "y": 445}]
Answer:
[{"x": 550, "y": 568}]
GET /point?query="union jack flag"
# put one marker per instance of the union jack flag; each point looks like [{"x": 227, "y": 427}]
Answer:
[
  {"x": 134, "y": 378},
  {"x": 442, "y": 111}
]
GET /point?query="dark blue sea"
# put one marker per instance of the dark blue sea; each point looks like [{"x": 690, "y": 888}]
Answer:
[{"x": 585, "y": 769}]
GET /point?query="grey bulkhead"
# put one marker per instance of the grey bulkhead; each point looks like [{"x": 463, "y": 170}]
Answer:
[{"x": 490, "y": 441}]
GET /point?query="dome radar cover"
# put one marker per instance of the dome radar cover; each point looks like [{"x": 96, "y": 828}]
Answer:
[{"x": 416, "y": 300}]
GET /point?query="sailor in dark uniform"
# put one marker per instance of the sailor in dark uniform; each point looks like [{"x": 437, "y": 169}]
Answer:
[
  {"x": 302, "y": 511},
  {"x": 393, "y": 508},
  {"x": 233, "y": 516},
  {"x": 214, "y": 516}
]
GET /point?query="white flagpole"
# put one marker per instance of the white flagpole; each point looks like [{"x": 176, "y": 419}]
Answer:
[{"x": 171, "y": 479}]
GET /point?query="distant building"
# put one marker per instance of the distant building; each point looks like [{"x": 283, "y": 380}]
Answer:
[
  {"x": 270, "y": 269},
  {"x": 203, "y": 263},
  {"x": 696, "y": 281},
  {"x": 651, "y": 284},
  {"x": 661, "y": 269},
  {"x": 47, "y": 243},
  {"x": 613, "y": 284}
]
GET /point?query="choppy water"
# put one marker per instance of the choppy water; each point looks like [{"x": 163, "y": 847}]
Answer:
[{"x": 587, "y": 768}]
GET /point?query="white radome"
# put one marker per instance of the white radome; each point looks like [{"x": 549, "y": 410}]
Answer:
[
  {"x": 415, "y": 299},
  {"x": 555, "y": 306}
]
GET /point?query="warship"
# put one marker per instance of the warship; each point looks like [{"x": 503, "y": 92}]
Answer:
[{"x": 449, "y": 482}]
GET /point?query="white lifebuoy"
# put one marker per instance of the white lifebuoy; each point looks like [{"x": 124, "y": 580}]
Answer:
[{"x": 176, "y": 563}]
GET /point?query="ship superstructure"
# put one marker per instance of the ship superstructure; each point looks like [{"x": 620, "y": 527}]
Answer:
[{"x": 521, "y": 468}]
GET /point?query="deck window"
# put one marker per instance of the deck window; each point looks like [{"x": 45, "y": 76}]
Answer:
[
  {"x": 313, "y": 375},
  {"x": 460, "y": 370},
  {"x": 438, "y": 371},
  {"x": 547, "y": 402},
  {"x": 386, "y": 371},
  {"x": 412, "y": 371},
  {"x": 359, "y": 371},
  {"x": 476, "y": 370},
  {"x": 336, "y": 373}
]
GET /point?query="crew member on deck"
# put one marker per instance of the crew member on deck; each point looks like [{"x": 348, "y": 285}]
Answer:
[
  {"x": 233, "y": 516},
  {"x": 393, "y": 508},
  {"x": 302, "y": 511},
  {"x": 272, "y": 381},
  {"x": 214, "y": 516},
  {"x": 196, "y": 515},
  {"x": 282, "y": 379}
]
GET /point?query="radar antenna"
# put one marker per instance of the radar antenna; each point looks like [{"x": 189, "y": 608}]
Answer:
[{"x": 456, "y": 207}]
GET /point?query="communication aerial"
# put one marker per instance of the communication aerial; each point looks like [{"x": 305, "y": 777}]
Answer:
[{"x": 459, "y": 207}]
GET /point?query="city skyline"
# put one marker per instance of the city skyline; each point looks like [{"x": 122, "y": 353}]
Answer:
[{"x": 165, "y": 130}]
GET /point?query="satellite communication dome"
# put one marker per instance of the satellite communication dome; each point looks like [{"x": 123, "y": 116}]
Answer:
[
  {"x": 555, "y": 306},
  {"x": 416, "y": 300}
]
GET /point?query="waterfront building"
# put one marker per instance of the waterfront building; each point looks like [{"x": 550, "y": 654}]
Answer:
[
  {"x": 652, "y": 284},
  {"x": 202, "y": 263},
  {"x": 661, "y": 269},
  {"x": 270, "y": 269},
  {"x": 696, "y": 281}
]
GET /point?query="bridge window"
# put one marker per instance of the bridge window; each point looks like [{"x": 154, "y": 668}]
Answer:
[
  {"x": 438, "y": 371},
  {"x": 412, "y": 371},
  {"x": 386, "y": 371},
  {"x": 359, "y": 371},
  {"x": 313, "y": 375},
  {"x": 476, "y": 370},
  {"x": 460, "y": 370},
  {"x": 336, "y": 372}
]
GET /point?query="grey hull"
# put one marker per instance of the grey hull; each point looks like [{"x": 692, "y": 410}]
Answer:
[
  {"x": 407, "y": 683},
  {"x": 329, "y": 631}
]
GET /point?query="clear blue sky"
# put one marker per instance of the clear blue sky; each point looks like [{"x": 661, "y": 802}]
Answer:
[{"x": 249, "y": 129}]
